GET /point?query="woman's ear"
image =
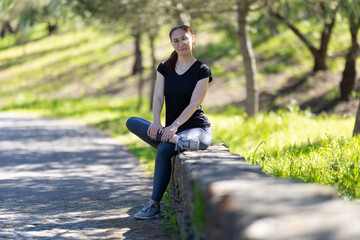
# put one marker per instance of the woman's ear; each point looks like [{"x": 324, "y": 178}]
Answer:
[{"x": 193, "y": 39}]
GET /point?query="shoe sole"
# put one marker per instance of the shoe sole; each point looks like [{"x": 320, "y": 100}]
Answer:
[{"x": 148, "y": 218}]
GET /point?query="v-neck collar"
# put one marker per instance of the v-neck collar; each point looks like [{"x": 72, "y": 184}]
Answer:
[{"x": 186, "y": 69}]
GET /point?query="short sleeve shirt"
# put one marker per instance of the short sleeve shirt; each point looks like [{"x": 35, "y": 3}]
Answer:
[{"x": 178, "y": 90}]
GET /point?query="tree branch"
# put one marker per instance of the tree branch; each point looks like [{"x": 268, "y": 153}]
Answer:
[{"x": 302, "y": 37}]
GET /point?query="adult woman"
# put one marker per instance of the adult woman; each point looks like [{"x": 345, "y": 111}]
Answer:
[{"x": 182, "y": 82}]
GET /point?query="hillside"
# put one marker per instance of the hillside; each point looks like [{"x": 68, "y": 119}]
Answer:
[
  {"x": 88, "y": 63},
  {"x": 86, "y": 75}
]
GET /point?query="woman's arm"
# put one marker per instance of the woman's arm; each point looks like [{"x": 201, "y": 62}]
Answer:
[
  {"x": 158, "y": 103},
  {"x": 197, "y": 97}
]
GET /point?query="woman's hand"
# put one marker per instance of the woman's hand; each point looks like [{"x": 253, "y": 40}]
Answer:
[
  {"x": 153, "y": 130},
  {"x": 168, "y": 132}
]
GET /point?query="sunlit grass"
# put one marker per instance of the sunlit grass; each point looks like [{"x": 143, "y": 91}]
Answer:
[
  {"x": 73, "y": 63},
  {"x": 330, "y": 160},
  {"x": 296, "y": 144},
  {"x": 286, "y": 143},
  {"x": 289, "y": 143}
]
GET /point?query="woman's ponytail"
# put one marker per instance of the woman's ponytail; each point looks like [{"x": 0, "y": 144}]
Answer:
[{"x": 171, "y": 62}]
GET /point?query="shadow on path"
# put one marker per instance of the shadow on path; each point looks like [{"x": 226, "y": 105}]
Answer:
[{"x": 60, "y": 179}]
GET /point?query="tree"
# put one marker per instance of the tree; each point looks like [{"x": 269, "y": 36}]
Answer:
[
  {"x": 241, "y": 8},
  {"x": 20, "y": 15},
  {"x": 17, "y": 15},
  {"x": 350, "y": 9},
  {"x": 324, "y": 9},
  {"x": 137, "y": 16},
  {"x": 357, "y": 122},
  {"x": 249, "y": 61}
]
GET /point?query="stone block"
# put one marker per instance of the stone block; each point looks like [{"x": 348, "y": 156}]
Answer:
[{"x": 242, "y": 202}]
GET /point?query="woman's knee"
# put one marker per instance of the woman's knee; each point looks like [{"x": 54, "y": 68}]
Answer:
[
  {"x": 134, "y": 124},
  {"x": 206, "y": 138},
  {"x": 130, "y": 123}
]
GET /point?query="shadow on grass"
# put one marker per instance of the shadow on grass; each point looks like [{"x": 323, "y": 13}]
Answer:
[
  {"x": 24, "y": 43},
  {"x": 71, "y": 74},
  {"x": 29, "y": 57},
  {"x": 212, "y": 52},
  {"x": 323, "y": 103}
]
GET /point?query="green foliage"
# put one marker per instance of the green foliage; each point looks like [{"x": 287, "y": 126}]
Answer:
[
  {"x": 274, "y": 68},
  {"x": 291, "y": 137},
  {"x": 87, "y": 64},
  {"x": 170, "y": 220},
  {"x": 226, "y": 47},
  {"x": 296, "y": 144},
  {"x": 332, "y": 161},
  {"x": 81, "y": 75}
]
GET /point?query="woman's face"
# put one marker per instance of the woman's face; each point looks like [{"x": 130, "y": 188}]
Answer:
[{"x": 182, "y": 41}]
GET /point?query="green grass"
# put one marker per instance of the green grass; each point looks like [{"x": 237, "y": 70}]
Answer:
[
  {"x": 287, "y": 143},
  {"x": 69, "y": 75},
  {"x": 331, "y": 161},
  {"x": 297, "y": 145},
  {"x": 85, "y": 75}
]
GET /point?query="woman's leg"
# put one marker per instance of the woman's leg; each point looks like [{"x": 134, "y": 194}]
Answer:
[
  {"x": 139, "y": 127},
  {"x": 165, "y": 150},
  {"x": 162, "y": 170},
  {"x": 163, "y": 159},
  {"x": 203, "y": 134}
]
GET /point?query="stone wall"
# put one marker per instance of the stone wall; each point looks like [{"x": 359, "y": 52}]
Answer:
[{"x": 217, "y": 195}]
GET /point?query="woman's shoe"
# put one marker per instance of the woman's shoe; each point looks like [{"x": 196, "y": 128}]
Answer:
[
  {"x": 149, "y": 211},
  {"x": 185, "y": 143}
]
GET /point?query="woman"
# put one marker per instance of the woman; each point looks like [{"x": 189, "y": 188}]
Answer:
[{"x": 181, "y": 81}]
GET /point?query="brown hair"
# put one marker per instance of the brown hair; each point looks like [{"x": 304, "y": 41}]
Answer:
[{"x": 171, "y": 61}]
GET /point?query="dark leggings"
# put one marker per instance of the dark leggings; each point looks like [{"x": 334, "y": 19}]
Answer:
[{"x": 165, "y": 150}]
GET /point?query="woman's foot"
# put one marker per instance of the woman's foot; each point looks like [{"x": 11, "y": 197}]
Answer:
[
  {"x": 149, "y": 211},
  {"x": 185, "y": 143}
]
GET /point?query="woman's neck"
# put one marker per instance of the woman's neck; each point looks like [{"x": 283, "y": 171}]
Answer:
[{"x": 185, "y": 60}]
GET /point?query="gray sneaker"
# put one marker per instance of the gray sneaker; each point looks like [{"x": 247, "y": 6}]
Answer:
[
  {"x": 185, "y": 143},
  {"x": 149, "y": 211}
]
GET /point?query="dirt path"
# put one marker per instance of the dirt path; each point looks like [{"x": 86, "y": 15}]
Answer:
[{"x": 64, "y": 180}]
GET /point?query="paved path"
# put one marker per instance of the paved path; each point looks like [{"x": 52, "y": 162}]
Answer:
[{"x": 63, "y": 180}]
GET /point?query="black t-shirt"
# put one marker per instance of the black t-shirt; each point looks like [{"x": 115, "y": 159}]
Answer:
[{"x": 178, "y": 90}]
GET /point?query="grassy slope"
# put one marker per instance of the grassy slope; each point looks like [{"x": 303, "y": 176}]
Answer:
[{"x": 85, "y": 75}]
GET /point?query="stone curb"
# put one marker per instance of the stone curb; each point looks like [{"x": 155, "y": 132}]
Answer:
[{"x": 242, "y": 202}]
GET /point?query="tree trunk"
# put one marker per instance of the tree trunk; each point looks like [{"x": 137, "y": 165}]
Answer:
[
  {"x": 153, "y": 74},
  {"x": 51, "y": 28},
  {"x": 320, "y": 55},
  {"x": 140, "y": 90},
  {"x": 3, "y": 30},
  {"x": 349, "y": 73},
  {"x": 3, "y": 33},
  {"x": 252, "y": 91},
  {"x": 11, "y": 29},
  {"x": 138, "y": 67},
  {"x": 357, "y": 122}
]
